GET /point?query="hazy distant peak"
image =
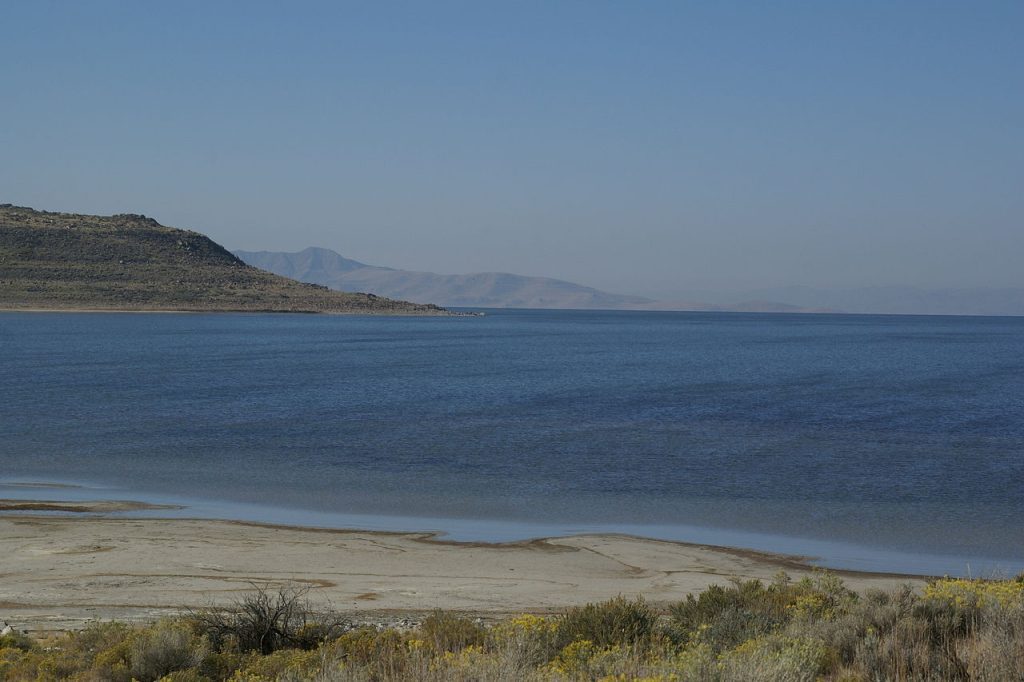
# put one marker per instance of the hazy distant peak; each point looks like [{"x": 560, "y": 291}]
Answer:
[
  {"x": 484, "y": 289},
  {"x": 476, "y": 289},
  {"x": 312, "y": 264}
]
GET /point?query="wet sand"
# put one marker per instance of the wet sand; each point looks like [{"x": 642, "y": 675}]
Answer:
[{"x": 60, "y": 571}]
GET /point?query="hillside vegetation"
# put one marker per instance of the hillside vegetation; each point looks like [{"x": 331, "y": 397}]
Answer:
[
  {"x": 131, "y": 262},
  {"x": 814, "y": 629}
]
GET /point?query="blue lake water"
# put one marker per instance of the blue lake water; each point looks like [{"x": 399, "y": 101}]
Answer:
[{"x": 872, "y": 442}]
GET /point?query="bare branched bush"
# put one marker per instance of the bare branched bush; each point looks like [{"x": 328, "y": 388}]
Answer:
[{"x": 266, "y": 621}]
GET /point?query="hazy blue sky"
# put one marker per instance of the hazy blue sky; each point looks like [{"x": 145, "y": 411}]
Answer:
[{"x": 641, "y": 147}]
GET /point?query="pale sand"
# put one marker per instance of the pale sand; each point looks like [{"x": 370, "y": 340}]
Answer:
[{"x": 59, "y": 572}]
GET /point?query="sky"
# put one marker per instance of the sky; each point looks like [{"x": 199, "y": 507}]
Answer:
[{"x": 651, "y": 148}]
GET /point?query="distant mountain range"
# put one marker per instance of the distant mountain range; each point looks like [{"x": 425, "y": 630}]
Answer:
[
  {"x": 504, "y": 290},
  {"x": 484, "y": 289}
]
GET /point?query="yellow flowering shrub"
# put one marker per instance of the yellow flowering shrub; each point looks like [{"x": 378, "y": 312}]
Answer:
[
  {"x": 272, "y": 666},
  {"x": 526, "y": 623},
  {"x": 973, "y": 592},
  {"x": 365, "y": 645},
  {"x": 466, "y": 659},
  {"x": 811, "y": 605},
  {"x": 574, "y": 658},
  {"x": 17, "y": 664}
]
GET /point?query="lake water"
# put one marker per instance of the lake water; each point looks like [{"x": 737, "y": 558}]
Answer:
[{"x": 871, "y": 442}]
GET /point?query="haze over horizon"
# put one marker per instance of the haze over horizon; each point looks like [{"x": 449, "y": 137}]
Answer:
[{"x": 656, "y": 149}]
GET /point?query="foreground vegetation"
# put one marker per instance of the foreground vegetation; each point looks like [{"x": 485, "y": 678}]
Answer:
[{"x": 807, "y": 630}]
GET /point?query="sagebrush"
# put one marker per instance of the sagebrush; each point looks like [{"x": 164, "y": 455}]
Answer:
[{"x": 812, "y": 629}]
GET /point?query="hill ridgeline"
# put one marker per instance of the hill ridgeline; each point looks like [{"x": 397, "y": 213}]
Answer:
[{"x": 67, "y": 261}]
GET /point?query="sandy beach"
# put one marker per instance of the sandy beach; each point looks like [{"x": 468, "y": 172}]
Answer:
[{"x": 59, "y": 572}]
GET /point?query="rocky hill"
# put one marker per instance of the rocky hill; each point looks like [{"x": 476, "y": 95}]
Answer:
[{"x": 131, "y": 262}]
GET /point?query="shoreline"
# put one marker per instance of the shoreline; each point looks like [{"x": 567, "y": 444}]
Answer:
[
  {"x": 791, "y": 561},
  {"x": 835, "y": 554},
  {"x": 61, "y": 571}
]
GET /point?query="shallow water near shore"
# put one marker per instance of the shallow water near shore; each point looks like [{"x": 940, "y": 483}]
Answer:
[{"x": 867, "y": 442}]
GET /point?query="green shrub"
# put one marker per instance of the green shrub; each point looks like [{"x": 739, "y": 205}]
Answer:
[
  {"x": 16, "y": 664},
  {"x": 725, "y": 617},
  {"x": 447, "y": 632},
  {"x": 617, "y": 621},
  {"x": 166, "y": 647},
  {"x": 997, "y": 651},
  {"x": 100, "y": 648},
  {"x": 220, "y": 665},
  {"x": 16, "y": 640},
  {"x": 775, "y": 658}
]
